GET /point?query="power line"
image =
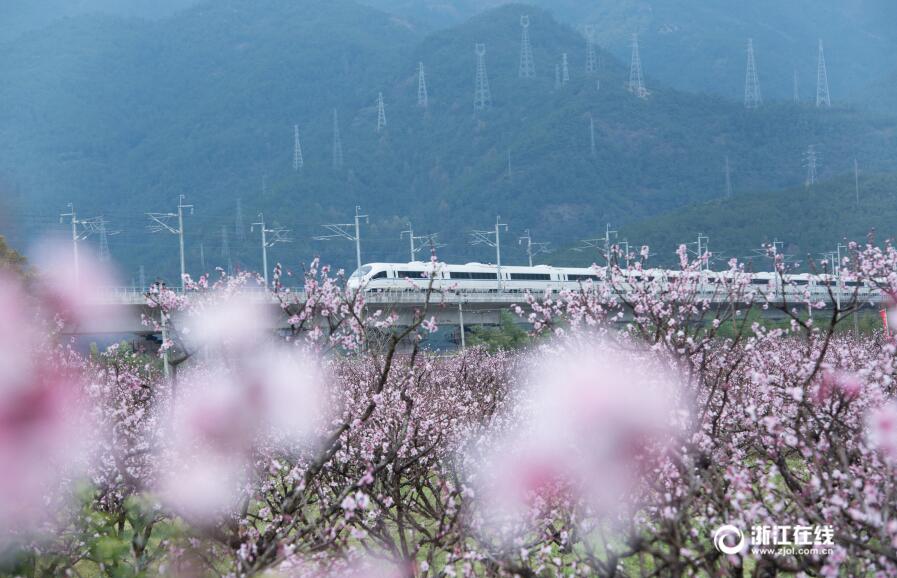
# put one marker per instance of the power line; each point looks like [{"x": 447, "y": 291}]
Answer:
[
  {"x": 532, "y": 249},
  {"x": 341, "y": 231},
  {"x": 492, "y": 239},
  {"x": 428, "y": 241},
  {"x": 270, "y": 237},
  {"x": 161, "y": 223}
]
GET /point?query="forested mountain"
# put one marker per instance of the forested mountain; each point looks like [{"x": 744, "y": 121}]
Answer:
[
  {"x": 806, "y": 220},
  {"x": 697, "y": 45},
  {"x": 29, "y": 17},
  {"x": 100, "y": 110}
]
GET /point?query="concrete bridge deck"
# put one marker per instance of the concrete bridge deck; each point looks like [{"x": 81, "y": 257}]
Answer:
[{"x": 121, "y": 310}]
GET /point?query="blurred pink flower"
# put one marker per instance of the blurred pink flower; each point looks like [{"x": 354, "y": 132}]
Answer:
[
  {"x": 77, "y": 297},
  {"x": 596, "y": 419},
  {"x": 882, "y": 426},
  {"x": 41, "y": 435}
]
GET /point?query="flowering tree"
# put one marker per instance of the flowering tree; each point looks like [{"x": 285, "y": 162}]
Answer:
[{"x": 303, "y": 434}]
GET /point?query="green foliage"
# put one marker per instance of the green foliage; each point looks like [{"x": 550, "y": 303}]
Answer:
[
  {"x": 507, "y": 336},
  {"x": 11, "y": 260},
  {"x": 806, "y": 221}
]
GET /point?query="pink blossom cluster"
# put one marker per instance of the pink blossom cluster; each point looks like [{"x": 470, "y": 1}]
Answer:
[{"x": 304, "y": 434}]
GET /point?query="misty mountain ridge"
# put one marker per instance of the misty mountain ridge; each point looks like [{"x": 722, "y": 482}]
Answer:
[{"x": 204, "y": 103}]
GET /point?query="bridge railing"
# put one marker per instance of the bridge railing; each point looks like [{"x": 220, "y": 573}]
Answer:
[{"x": 417, "y": 296}]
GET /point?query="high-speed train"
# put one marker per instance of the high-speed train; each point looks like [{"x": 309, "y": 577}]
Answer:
[
  {"x": 469, "y": 277},
  {"x": 479, "y": 277}
]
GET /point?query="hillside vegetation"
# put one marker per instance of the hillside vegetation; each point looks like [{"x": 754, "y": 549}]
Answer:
[
  {"x": 698, "y": 45},
  {"x": 100, "y": 109},
  {"x": 806, "y": 221}
]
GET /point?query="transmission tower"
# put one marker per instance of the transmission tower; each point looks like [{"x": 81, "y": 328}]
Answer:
[
  {"x": 423, "y": 98},
  {"x": 225, "y": 251},
  {"x": 593, "y": 144},
  {"x": 532, "y": 249},
  {"x": 493, "y": 239},
  {"x": 381, "y": 113},
  {"x": 270, "y": 237},
  {"x": 591, "y": 61},
  {"x": 796, "y": 89},
  {"x": 298, "y": 160},
  {"x": 636, "y": 83},
  {"x": 565, "y": 69},
  {"x": 856, "y": 180},
  {"x": 341, "y": 231},
  {"x": 823, "y": 98},
  {"x": 426, "y": 241},
  {"x": 239, "y": 227},
  {"x": 752, "y": 97},
  {"x": 811, "y": 162},
  {"x": 728, "y": 179},
  {"x": 557, "y": 76},
  {"x": 337, "y": 143},
  {"x": 141, "y": 277},
  {"x": 527, "y": 67},
  {"x": 202, "y": 257},
  {"x": 482, "y": 97},
  {"x": 161, "y": 223}
]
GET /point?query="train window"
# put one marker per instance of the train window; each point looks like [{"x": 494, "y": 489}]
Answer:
[
  {"x": 379, "y": 275},
  {"x": 853, "y": 283},
  {"x": 577, "y": 277},
  {"x": 530, "y": 277},
  {"x": 472, "y": 276},
  {"x": 410, "y": 274},
  {"x": 798, "y": 282},
  {"x": 759, "y": 282},
  {"x": 361, "y": 272}
]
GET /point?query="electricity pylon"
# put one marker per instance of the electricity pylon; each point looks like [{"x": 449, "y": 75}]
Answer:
[
  {"x": 823, "y": 98},
  {"x": 423, "y": 97},
  {"x": 527, "y": 68},
  {"x": 381, "y": 113},
  {"x": 482, "y": 96},
  {"x": 636, "y": 82},
  {"x": 752, "y": 96}
]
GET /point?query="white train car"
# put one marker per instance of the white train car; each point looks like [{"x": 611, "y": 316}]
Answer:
[
  {"x": 484, "y": 278},
  {"x": 472, "y": 277}
]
